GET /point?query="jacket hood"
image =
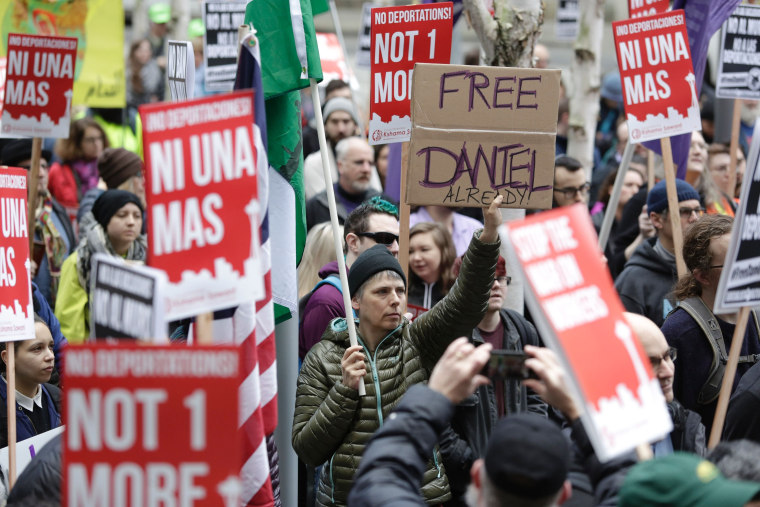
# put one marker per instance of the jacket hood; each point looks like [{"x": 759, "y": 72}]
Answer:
[
  {"x": 331, "y": 268},
  {"x": 646, "y": 257},
  {"x": 339, "y": 331}
]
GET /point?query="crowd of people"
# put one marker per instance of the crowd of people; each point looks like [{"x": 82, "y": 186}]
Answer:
[{"x": 435, "y": 426}]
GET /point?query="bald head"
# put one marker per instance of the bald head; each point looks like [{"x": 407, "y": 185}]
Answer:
[{"x": 656, "y": 348}]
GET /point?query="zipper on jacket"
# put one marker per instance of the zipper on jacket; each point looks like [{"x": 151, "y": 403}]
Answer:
[
  {"x": 435, "y": 462},
  {"x": 427, "y": 296},
  {"x": 372, "y": 358},
  {"x": 332, "y": 482}
]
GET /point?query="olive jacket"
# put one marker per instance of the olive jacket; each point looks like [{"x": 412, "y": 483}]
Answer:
[{"x": 332, "y": 424}]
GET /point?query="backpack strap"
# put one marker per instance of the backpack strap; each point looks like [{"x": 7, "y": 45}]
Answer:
[{"x": 331, "y": 279}]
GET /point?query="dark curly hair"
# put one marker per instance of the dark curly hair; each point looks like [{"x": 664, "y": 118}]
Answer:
[{"x": 696, "y": 252}]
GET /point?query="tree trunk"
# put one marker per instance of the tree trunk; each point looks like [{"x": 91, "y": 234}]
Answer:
[{"x": 585, "y": 72}]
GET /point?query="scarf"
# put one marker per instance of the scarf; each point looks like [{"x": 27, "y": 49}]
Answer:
[
  {"x": 55, "y": 246},
  {"x": 96, "y": 241},
  {"x": 87, "y": 171}
]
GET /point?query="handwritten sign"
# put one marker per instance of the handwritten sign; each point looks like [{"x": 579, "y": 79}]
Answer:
[
  {"x": 659, "y": 86},
  {"x": 402, "y": 36},
  {"x": 202, "y": 193},
  {"x": 39, "y": 85},
  {"x": 222, "y": 20},
  {"x": 643, "y": 8},
  {"x": 181, "y": 70},
  {"x": 739, "y": 64},
  {"x": 482, "y": 131},
  {"x": 151, "y": 426},
  {"x": 16, "y": 308},
  {"x": 581, "y": 317}
]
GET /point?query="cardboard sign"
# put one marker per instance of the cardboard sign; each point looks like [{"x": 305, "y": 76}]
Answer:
[
  {"x": 39, "y": 85},
  {"x": 220, "y": 42},
  {"x": 482, "y": 131},
  {"x": 202, "y": 193},
  {"x": 658, "y": 80},
  {"x": 739, "y": 63},
  {"x": 126, "y": 300},
  {"x": 643, "y": 8},
  {"x": 740, "y": 278},
  {"x": 364, "y": 40},
  {"x": 16, "y": 308},
  {"x": 568, "y": 13},
  {"x": 581, "y": 317},
  {"x": 181, "y": 70},
  {"x": 151, "y": 425},
  {"x": 402, "y": 36},
  {"x": 26, "y": 450}
]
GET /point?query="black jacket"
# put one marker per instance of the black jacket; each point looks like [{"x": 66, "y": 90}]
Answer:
[{"x": 688, "y": 433}]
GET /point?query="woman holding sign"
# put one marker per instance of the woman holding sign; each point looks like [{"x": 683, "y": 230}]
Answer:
[
  {"x": 119, "y": 216},
  {"x": 431, "y": 257}
]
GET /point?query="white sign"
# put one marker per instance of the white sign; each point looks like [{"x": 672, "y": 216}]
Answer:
[
  {"x": 26, "y": 450},
  {"x": 181, "y": 70}
]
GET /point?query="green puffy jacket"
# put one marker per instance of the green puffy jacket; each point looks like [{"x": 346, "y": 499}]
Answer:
[{"x": 332, "y": 424}]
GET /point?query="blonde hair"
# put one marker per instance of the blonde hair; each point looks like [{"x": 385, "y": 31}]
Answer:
[{"x": 318, "y": 251}]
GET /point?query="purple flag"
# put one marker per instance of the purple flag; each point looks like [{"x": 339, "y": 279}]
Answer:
[
  {"x": 393, "y": 176},
  {"x": 703, "y": 19}
]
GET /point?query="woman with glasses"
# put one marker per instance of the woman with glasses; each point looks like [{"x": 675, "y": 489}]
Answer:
[{"x": 431, "y": 256}]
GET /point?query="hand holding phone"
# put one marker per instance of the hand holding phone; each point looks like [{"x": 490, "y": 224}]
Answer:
[{"x": 508, "y": 364}]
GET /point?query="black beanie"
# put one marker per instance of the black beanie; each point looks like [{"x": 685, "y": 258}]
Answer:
[
  {"x": 110, "y": 202},
  {"x": 372, "y": 261}
]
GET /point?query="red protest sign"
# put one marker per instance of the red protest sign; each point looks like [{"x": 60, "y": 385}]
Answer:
[
  {"x": 642, "y": 8},
  {"x": 332, "y": 58},
  {"x": 202, "y": 193},
  {"x": 581, "y": 317},
  {"x": 658, "y": 80},
  {"x": 16, "y": 309},
  {"x": 150, "y": 425},
  {"x": 38, "y": 86},
  {"x": 415, "y": 310},
  {"x": 401, "y": 37}
]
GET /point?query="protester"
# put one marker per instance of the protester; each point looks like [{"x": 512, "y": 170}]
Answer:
[
  {"x": 119, "y": 216},
  {"x": 335, "y": 88},
  {"x": 696, "y": 164},
  {"x": 570, "y": 185},
  {"x": 431, "y": 256},
  {"x": 476, "y": 416},
  {"x": 702, "y": 337},
  {"x": 525, "y": 462},
  {"x": 743, "y": 414},
  {"x": 122, "y": 126},
  {"x": 77, "y": 172},
  {"x": 738, "y": 459},
  {"x": 54, "y": 236},
  {"x": 38, "y": 404},
  {"x": 459, "y": 226},
  {"x": 381, "y": 162},
  {"x": 645, "y": 284},
  {"x": 373, "y": 223},
  {"x": 332, "y": 423},
  {"x": 684, "y": 480},
  {"x": 145, "y": 80},
  {"x": 719, "y": 165},
  {"x": 318, "y": 250},
  {"x": 632, "y": 181},
  {"x": 354, "y": 184},
  {"x": 159, "y": 14}
]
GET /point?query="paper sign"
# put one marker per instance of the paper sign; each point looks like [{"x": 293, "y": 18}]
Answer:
[
  {"x": 739, "y": 64},
  {"x": 39, "y": 85},
  {"x": 566, "y": 28},
  {"x": 16, "y": 308},
  {"x": 659, "y": 86},
  {"x": 151, "y": 426},
  {"x": 202, "y": 193},
  {"x": 333, "y": 60},
  {"x": 402, "y": 36},
  {"x": 365, "y": 41},
  {"x": 643, "y": 8},
  {"x": 482, "y": 131},
  {"x": 220, "y": 42},
  {"x": 181, "y": 70},
  {"x": 26, "y": 450},
  {"x": 740, "y": 278},
  {"x": 581, "y": 317},
  {"x": 126, "y": 300}
]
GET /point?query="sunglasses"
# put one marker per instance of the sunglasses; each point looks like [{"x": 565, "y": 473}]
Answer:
[{"x": 381, "y": 238}]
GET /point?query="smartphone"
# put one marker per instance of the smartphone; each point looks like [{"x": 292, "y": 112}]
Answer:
[{"x": 508, "y": 364}]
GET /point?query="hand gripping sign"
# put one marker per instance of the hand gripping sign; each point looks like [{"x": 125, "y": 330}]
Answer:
[
  {"x": 402, "y": 36},
  {"x": 659, "y": 86},
  {"x": 581, "y": 318}
]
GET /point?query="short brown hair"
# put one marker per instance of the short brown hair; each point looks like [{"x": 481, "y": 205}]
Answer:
[{"x": 696, "y": 252}]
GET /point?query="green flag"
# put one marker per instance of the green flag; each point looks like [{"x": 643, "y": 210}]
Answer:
[{"x": 319, "y": 6}]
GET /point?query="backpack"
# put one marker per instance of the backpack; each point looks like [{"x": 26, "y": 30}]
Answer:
[{"x": 708, "y": 323}]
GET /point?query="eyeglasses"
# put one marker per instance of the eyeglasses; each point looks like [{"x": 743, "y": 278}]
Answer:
[
  {"x": 504, "y": 280},
  {"x": 686, "y": 212},
  {"x": 671, "y": 354},
  {"x": 381, "y": 238},
  {"x": 715, "y": 267},
  {"x": 569, "y": 192},
  {"x": 92, "y": 140}
]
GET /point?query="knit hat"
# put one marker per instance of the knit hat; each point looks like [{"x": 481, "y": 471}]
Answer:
[
  {"x": 339, "y": 104},
  {"x": 683, "y": 479},
  {"x": 527, "y": 456},
  {"x": 501, "y": 267},
  {"x": 110, "y": 202},
  {"x": 612, "y": 88},
  {"x": 117, "y": 165},
  {"x": 160, "y": 13},
  {"x": 376, "y": 259},
  {"x": 18, "y": 150},
  {"x": 657, "y": 200}
]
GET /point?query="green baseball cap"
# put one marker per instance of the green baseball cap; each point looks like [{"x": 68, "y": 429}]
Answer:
[
  {"x": 160, "y": 13},
  {"x": 195, "y": 28},
  {"x": 683, "y": 480}
]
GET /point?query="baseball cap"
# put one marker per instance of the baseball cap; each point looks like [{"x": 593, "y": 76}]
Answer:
[
  {"x": 160, "y": 13},
  {"x": 683, "y": 479},
  {"x": 657, "y": 200},
  {"x": 527, "y": 456}
]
